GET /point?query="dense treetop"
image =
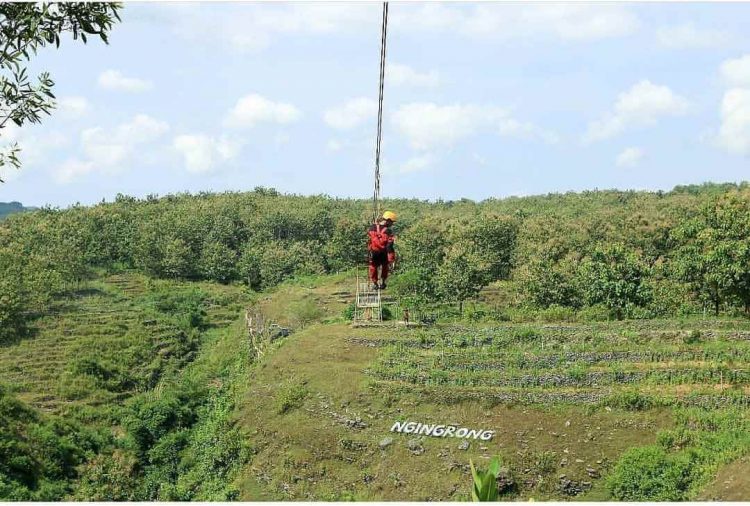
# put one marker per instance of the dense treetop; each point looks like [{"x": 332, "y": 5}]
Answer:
[{"x": 632, "y": 253}]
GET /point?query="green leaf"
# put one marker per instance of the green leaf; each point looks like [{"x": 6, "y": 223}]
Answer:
[
  {"x": 475, "y": 475},
  {"x": 494, "y": 467}
]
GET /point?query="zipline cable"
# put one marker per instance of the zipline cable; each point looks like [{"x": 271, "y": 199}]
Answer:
[{"x": 379, "y": 138}]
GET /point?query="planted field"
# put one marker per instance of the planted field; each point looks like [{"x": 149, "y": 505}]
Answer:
[{"x": 702, "y": 362}]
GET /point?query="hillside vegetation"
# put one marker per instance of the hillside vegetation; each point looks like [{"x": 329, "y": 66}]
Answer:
[{"x": 599, "y": 333}]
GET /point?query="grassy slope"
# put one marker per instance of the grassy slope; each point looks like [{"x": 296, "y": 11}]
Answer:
[
  {"x": 107, "y": 320},
  {"x": 305, "y": 453},
  {"x": 311, "y": 453}
]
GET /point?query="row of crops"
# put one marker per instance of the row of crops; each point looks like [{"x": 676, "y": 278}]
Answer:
[
  {"x": 706, "y": 362},
  {"x": 568, "y": 338}
]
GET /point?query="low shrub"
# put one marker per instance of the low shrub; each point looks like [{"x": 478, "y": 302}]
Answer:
[
  {"x": 651, "y": 474},
  {"x": 693, "y": 337},
  {"x": 546, "y": 462},
  {"x": 349, "y": 311},
  {"x": 555, "y": 313},
  {"x": 631, "y": 400},
  {"x": 595, "y": 313}
]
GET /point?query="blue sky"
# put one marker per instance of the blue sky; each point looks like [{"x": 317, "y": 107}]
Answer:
[{"x": 481, "y": 100}]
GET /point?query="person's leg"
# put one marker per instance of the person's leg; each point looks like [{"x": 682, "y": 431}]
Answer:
[
  {"x": 373, "y": 269},
  {"x": 383, "y": 273}
]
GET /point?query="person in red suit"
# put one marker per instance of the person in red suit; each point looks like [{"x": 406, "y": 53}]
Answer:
[{"x": 380, "y": 247}]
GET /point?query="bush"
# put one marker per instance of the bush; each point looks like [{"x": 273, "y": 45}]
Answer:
[
  {"x": 651, "y": 474},
  {"x": 630, "y": 400},
  {"x": 693, "y": 337},
  {"x": 12, "y": 318},
  {"x": 386, "y": 313},
  {"x": 549, "y": 282},
  {"x": 112, "y": 477},
  {"x": 38, "y": 454},
  {"x": 349, "y": 311},
  {"x": 546, "y": 462},
  {"x": 595, "y": 313},
  {"x": 218, "y": 262},
  {"x": 556, "y": 313}
]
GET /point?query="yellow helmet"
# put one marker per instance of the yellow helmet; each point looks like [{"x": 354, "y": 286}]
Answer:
[{"x": 389, "y": 215}]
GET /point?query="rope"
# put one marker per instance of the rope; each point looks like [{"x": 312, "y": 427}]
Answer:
[{"x": 379, "y": 138}]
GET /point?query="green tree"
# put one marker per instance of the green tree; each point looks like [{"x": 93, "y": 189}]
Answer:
[
  {"x": 615, "y": 277},
  {"x": 346, "y": 248},
  {"x": 714, "y": 252},
  {"x": 24, "y": 29},
  {"x": 249, "y": 266},
  {"x": 462, "y": 274},
  {"x": 420, "y": 251},
  {"x": 493, "y": 238},
  {"x": 11, "y": 310},
  {"x": 177, "y": 260},
  {"x": 549, "y": 282},
  {"x": 218, "y": 262}
]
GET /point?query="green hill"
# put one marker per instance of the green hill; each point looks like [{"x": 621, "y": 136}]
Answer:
[
  {"x": 7, "y": 208},
  {"x": 602, "y": 336}
]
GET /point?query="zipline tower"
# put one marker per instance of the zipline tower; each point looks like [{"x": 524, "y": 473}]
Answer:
[{"x": 368, "y": 303}]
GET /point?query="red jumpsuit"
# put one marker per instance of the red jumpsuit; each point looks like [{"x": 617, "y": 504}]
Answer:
[{"x": 382, "y": 253}]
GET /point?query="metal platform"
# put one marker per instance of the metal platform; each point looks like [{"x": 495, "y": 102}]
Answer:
[{"x": 368, "y": 303}]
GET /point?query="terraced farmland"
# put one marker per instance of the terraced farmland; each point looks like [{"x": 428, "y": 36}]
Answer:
[
  {"x": 109, "y": 341},
  {"x": 693, "y": 362}
]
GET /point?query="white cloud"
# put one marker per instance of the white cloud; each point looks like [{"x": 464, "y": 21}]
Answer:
[
  {"x": 734, "y": 133},
  {"x": 108, "y": 149},
  {"x": 502, "y": 21},
  {"x": 403, "y": 75},
  {"x": 35, "y": 147},
  {"x": 687, "y": 36},
  {"x": 73, "y": 107},
  {"x": 427, "y": 125},
  {"x": 114, "y": 80},
  {"x": 35, "y": 144},
  {"x": 351, "y": 114},
  {"x": 253, "y": 109},
  {"x": 73, "y": 168},
  {"x": 641, "y": 105},
  {"x": 630, "y": 157},
  {"x": 736, "y": 72},
  {"x": 419, "y": 163},
  {"x": 202, "y": 153},
  {"x": 253, "y": 27}
]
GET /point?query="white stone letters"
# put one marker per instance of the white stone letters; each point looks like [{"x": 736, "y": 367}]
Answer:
[{"x": 425, "y": 429}]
